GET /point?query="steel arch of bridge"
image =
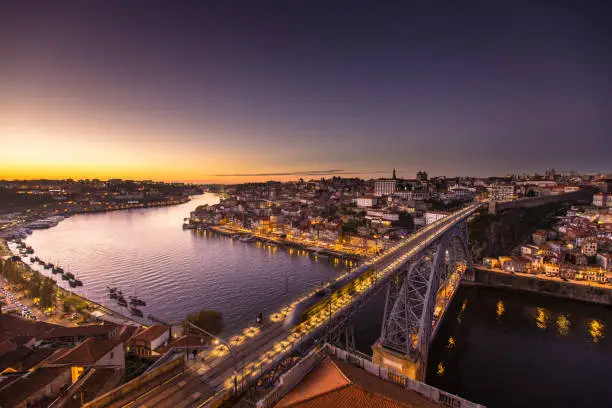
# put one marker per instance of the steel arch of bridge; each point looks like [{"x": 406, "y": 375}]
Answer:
[{"x": 411, "y": 295}]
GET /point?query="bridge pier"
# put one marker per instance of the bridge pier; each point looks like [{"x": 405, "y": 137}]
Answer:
[{"x": 399, "y": 362}]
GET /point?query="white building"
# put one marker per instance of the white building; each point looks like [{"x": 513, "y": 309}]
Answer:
[
  {"x": 589, "y": 247},
  {"x": 501, "y": 192},
  {"x": 379, "y": 216},
  {"x": 384, "y": 187},
  {"x": 412, "y": 195},
  {"x": 433, "y": 216},
  {"x": 598, "y": 199},
  {"x": 602, "y": 200},
  {"x": 365, "y": 202}
]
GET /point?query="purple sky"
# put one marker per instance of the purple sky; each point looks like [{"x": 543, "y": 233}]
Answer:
[{"x": 227, "y": 91}]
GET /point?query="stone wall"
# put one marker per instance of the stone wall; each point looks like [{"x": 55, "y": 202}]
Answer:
[
  {"x": 556, "y": 288},
  {"x": 584, "y": 195}
]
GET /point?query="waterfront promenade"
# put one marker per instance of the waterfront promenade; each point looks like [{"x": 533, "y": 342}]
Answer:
[
  {"x": 586, "y": 291},
  {"x": 319, "y": 248}
]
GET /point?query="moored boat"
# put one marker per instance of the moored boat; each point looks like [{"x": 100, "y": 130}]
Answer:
[
  {"x": 136, "y": 312},
  {"x": 134, "y": 300}
]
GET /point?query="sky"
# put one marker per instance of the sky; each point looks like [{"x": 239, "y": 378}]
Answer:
[{"x": 233, "y": 91}]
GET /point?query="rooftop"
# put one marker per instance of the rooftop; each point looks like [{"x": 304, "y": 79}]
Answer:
[
  {"x": 151, "y": 333},
  {"x": 28, "y": 384},
  {"x": 88, "y": 352},
  {"x": 14, "y": 326},
  {"x": 335, "y": 383},
  {"x": 80, "y": 331}
]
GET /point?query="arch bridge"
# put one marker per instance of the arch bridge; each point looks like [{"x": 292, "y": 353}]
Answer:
[{"x": 420, "y": 277}]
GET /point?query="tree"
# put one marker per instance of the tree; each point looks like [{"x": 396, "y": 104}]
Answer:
[
  {"x": 209, "y": 320},
  {"x": 73, "y": 302},
  {"x": 47, "y": 293},
  {"x": 349, "y": 226}
]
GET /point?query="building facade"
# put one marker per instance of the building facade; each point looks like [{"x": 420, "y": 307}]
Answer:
[{"x": 384, "y": 187}]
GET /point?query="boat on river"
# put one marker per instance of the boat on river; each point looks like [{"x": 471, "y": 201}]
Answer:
[
  {"x": 112, "y": 292},
  {"x": 134, "y": 300},
  {"x": 136, "y": 312}
]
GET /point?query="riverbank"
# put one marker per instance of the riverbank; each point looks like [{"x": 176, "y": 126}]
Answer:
[
  {"x": 589, "y": 292},
  {"x": 33, "y": 218},
  {"x": 319, "y": 251},
  {"x": 92, "y": 311}
]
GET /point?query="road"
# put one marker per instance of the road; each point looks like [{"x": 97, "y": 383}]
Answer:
[{"x": 259, "y": 349}]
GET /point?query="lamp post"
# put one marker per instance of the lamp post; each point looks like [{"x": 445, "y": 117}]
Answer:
[{"x": 229, "y": 349}]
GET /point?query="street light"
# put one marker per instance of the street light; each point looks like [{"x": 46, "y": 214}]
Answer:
[{"x": 218, "y": 340}]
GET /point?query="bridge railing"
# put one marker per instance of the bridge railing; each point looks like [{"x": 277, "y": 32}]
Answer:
[{"x": 292, "y": 377}]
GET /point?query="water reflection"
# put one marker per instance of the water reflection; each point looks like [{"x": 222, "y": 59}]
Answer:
[
  {"x": 461, "y": 311},
  {"x": 596, "y": 330},
  {"x": 500, "y": 309},
  {"x": 488, "y": 361},
  {"x": 563, "y": 325},
  {"x": 542, "y": 317}
]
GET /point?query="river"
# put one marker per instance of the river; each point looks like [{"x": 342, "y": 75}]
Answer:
[
  {"x": 508, "y": 349},
  {"x": 146, "y": 252}
]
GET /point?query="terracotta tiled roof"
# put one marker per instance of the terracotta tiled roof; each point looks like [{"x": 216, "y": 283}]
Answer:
[
  {"x": 6, "y": 346},
  {"x": 151, "y": 333},
  {"x": 13, "y": 357},
  {"x": 337, "y": 384},
  {"x": 12, "y": 326},
  {"x": 99, "y": 381},
  {"x": 126, "y": 332},
  {"x": 28, "y": 384},
  {"x": 88, "y": 352},
  {"x": 32, "y": 359},
  {"x": 80, "y": 331}
]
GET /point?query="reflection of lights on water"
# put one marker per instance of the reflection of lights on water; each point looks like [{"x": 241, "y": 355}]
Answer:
[
  {"x": 596, "y": 329},
  {"x": 563, "y": 325},
  {"x": 542, "y": 318},
  {"x": 500, "y": 309},
  {"x": 451, "y": 342},
  {"x": 460, "y": 315},
  {"x": 440, "y": 371}
]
